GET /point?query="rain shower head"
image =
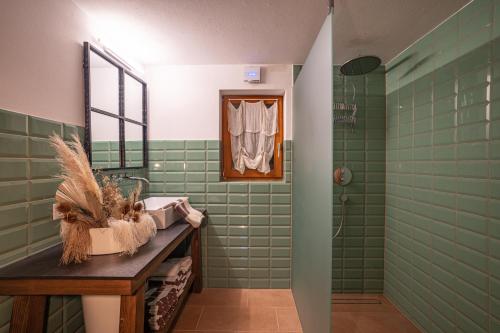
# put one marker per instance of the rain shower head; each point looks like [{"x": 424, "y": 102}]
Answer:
[{"x": 360, "y": 65}]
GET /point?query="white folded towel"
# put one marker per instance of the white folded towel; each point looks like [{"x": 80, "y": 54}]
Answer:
[{"x": 191, "y": 215}]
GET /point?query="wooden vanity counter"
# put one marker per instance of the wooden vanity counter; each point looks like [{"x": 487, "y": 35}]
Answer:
[{"x": 36, "y": 277}]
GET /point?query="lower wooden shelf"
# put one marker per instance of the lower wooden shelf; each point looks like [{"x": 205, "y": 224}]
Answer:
[{"x": 178, "y": 308}]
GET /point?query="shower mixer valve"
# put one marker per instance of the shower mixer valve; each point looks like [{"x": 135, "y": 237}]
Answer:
[{"x": 342, "y": 176}]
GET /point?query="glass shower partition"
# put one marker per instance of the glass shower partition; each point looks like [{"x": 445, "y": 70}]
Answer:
[{"x": 312, "y": 185}]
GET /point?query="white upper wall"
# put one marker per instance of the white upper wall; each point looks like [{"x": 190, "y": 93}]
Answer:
[
  {"x": 184, "y": 101},
  {"x": 41, "y": 59},
  {"x": 41, "y": 75}
]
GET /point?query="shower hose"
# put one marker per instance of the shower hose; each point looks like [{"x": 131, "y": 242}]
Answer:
[{"x": 343, "y": 199}]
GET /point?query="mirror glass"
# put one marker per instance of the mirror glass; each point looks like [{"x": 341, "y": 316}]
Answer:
[
  {"x": 104, "y": 80},
  {"x": 133, "y": 145},
  {"x": 115, "y": 112},
  {"x": 105, "y": 141},
  {"x": 133, "y": 98}
]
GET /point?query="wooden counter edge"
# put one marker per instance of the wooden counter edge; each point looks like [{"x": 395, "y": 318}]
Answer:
[{"x": 66, "y": 286}]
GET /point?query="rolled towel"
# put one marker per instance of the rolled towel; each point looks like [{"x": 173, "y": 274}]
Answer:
[
  {"x": 185, "y": 262},
  {"x": 178, "y": 285},
  {"x": 191, "y": 215},
  {"x": 149, "y": 293},
  {"x": 172, "y": 267},
  {"x": 160, "y": 307},
  {"x": 182, "y": 274},
  {"x": 160, "y": 280},
  {"x": 190, "y": 208},
  {"x": 168, "y": 268},
  {"x": 182, "y": 285}
]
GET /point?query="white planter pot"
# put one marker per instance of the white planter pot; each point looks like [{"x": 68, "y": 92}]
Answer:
[
  {"x": 103, "y": 242},
  {"x": 101, "y": 313}
]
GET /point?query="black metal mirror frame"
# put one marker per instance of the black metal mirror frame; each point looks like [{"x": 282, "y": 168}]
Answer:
[{"x": 87, "y": 48}]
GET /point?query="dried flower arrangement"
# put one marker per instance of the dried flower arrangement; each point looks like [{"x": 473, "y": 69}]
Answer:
[{"x": 85, "y": 205}]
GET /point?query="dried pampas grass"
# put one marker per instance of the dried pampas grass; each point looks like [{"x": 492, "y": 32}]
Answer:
[
  {"x": 79, "y": 187},
  {"x": 132, "y": 209},
  {"x": 112, "y": 197},
  {"x": 132, "y": 235},
  {"x": 78, "y": 198},
  {"x": 76, "y": 242},
  {"x": 86, "y": 205},
  {"x": 144, "y": 229}
]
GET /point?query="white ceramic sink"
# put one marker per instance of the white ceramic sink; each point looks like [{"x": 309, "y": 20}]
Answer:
[
  {"x": 162, "y": 210},
  {"x": 154, "y": 203}
]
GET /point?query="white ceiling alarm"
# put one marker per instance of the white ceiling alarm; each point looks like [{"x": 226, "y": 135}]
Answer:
[{"x": 252, "y": 74}]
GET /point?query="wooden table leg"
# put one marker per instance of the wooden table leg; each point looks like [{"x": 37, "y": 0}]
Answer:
[
  {"x": 28, "y": 314},
  {"x": 196, "y": 257},
  {"x": 132, "y": 312}
]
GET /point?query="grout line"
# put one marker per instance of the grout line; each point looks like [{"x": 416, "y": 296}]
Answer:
[
  {"x": 199, "y": 318},
  {"x": 276, "y": 318}
]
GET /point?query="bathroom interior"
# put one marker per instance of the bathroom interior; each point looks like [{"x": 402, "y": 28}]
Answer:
[{"x": 277, "y": 166}]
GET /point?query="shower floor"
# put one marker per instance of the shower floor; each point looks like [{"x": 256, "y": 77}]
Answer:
[{"x": 364, "y": 313}]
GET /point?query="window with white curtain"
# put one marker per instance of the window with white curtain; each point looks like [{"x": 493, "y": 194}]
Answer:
[{"x": 252, "y": 137}]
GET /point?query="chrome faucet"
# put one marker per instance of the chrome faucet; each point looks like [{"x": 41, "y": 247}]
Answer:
[{"x": 141, "y": 179}]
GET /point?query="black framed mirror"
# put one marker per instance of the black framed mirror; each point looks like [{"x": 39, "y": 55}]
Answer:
[{"x": 116, "y": 112}]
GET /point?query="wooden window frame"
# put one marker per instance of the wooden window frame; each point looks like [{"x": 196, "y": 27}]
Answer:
[{"x": 227, "y": 171}]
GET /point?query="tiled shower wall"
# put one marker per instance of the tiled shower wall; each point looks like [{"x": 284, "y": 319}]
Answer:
[
  {"x": 442, "y": 259},
  {"x": 358, "y": 252},
  {"x": 247, "y": 242},
  {"x": 27, "y": 189}
]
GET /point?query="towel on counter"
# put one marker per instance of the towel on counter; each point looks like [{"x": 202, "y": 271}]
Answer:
[
  {"x": 191, "y": 215},
  {"x": 160, "y": 305}
]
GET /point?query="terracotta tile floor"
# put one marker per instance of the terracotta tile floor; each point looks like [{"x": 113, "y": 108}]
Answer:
[
  {"x": 239, "y": 310},
  {"x": 273, "y": 310},
  {"x": 376, "y": 315}
]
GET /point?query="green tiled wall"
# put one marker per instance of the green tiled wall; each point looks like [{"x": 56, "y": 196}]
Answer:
[
  {"x": 358, "y": 252},
  {"x": 247, "y": 242},
  {"x": 133, "y": 153},
  {"x": 442, "y": 257},
  {"x": 106, "y": 154},
  {"x": 27, "y": 188}
]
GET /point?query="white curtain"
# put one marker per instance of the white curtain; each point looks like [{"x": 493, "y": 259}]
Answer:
[{"x": 252, "y": 126}]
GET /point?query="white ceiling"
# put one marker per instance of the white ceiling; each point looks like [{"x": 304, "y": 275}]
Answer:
[
  {"x": 259, "y": 31},
  {"x": 385, "y": 27},
  {"x": 209, "y": 31}
]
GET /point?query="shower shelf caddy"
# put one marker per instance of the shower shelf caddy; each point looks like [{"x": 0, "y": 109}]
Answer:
[{"x": 344, "y": 113}]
